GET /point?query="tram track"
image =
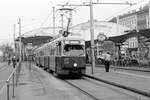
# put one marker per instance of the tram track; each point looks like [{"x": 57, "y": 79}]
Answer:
[
  {"x": 83, "y": 91},
  {"x": 144, "y": 93},
  {"x": 99, "y": 92}
]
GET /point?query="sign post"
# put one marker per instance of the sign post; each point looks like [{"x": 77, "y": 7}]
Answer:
[{"x": 101, "y": 38}]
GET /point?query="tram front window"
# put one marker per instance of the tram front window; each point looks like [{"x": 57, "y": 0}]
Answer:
[{"x": 73, "y": 50}]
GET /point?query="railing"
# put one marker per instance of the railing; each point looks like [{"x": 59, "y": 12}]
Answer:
[{"x": 8, "y": 89}]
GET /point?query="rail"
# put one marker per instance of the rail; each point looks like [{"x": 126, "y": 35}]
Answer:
[{"x": 7, "y": 85}]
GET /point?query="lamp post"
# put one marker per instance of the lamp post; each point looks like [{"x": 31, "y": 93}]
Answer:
[{"x": 92, "y": 36}]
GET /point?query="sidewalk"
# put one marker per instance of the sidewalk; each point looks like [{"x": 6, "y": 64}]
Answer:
[{"x": 23, "y": 92}]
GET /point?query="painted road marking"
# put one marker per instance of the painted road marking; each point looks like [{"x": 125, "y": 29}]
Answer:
[
  {"x": 1, "y": 90},
  {"x": 3, "y": 68},
  {"x": 142, "y": 76}
]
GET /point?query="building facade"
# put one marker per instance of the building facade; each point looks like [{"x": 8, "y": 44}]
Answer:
[
  {"x": 135, "y": 19},
  {"x": 129, "y": 20},
  {"x": 143, "y": 18}
]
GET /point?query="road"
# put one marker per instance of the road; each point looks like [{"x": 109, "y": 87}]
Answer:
[{"x": 5, "y": 71}]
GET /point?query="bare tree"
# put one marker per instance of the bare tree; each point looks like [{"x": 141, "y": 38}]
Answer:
[{"x": 7, "y": 50}]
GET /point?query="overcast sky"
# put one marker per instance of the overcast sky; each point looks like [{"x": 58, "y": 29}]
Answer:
[{"x": 33, "y": 13}]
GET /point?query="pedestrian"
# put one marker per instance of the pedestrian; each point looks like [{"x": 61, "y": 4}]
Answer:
[
  {"x": 14, "y": 61},
  {"x": 107, "y": 59}
]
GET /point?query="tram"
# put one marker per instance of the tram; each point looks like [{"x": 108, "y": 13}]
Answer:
[{"x": 63, "y": 56}]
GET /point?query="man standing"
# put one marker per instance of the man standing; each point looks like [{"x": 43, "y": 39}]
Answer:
[{"x": 107, "y": 59}]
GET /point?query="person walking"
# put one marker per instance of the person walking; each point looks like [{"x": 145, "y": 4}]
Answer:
[
  {"x": 14, "y": 61},
  {"x": 107, "y": 59}
]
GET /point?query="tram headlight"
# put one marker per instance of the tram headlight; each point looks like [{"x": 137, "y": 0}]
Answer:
[{"x": 75, "y": 64}]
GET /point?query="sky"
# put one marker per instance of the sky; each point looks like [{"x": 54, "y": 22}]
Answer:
[{"x": 38, "y": 13}]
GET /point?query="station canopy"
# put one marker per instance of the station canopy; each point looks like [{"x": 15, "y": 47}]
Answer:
[{"x": 38, "y": 36}]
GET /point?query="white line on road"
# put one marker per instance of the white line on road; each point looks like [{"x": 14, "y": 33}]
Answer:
[
  {"x": 142, "y": 76},
  {"x": 1, "y": 90},
  {"x": 3, "y": 68}
]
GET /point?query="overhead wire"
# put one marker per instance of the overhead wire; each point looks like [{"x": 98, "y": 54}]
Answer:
[
  {"x": 40, "y": 28},
  {"x": 42, "y": 22},
  {"x": 46, "y": 18}
]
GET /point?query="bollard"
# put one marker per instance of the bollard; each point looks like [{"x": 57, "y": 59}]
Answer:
[
  {"x": 13, "y": 96},
  {"x": 7, "y": 90}
]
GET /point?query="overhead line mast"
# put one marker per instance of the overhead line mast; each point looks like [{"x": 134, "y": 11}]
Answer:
[{"x": 91, "y": 24}]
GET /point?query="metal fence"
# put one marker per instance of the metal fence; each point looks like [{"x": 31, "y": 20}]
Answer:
[{"x": 8, "y": 89}]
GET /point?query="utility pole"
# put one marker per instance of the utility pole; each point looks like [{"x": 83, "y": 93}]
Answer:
[
  {"x": 14, "y": 39},
  {"x": 149, "y": 14},
  {"x": 92, "y": 36},
  {"x": 53, "y": 20},
  {"x": 20, "y": 46}
]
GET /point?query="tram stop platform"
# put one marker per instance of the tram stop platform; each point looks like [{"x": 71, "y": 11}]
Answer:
[
  {"x": 129, "y": 78},
  {"x": 31, "y": 87}
]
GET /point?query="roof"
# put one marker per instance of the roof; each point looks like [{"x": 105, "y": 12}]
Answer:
[
  {"x": 133, "y": 33},
  {"x": 35, "y": 40}
]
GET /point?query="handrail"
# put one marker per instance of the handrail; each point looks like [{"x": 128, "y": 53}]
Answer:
[
  {"x": 6, "y": 85},
  {"x": 14, "y": 70},
  {"x": 2, "y": 88}
]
